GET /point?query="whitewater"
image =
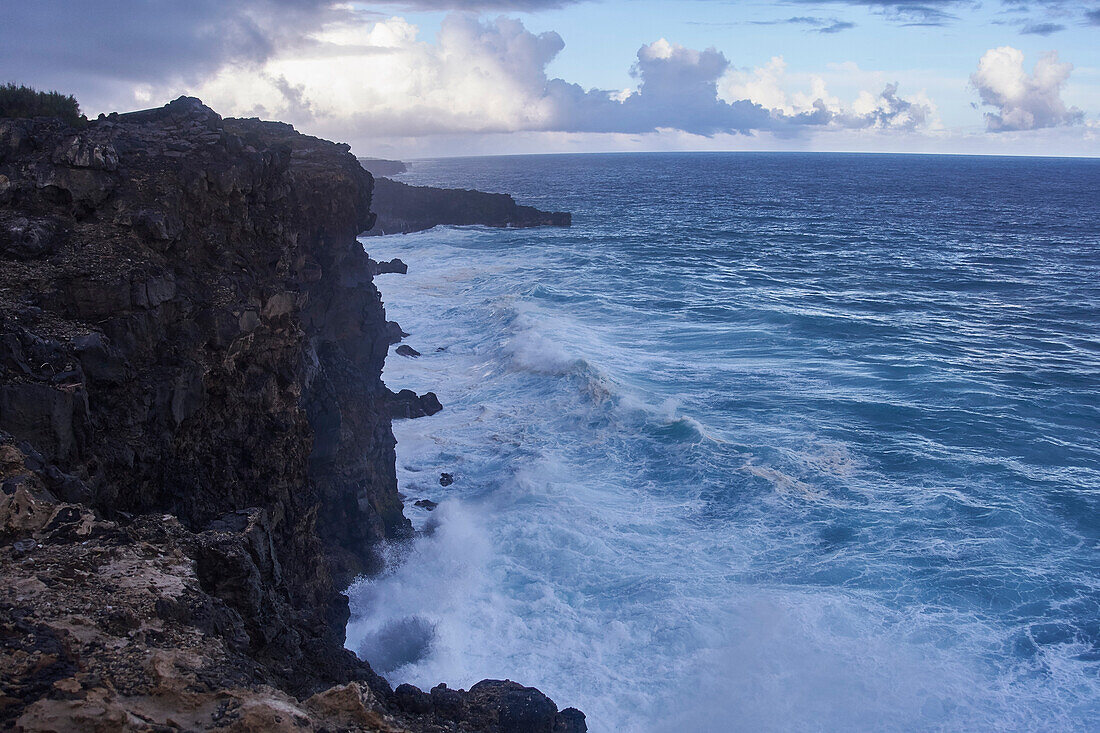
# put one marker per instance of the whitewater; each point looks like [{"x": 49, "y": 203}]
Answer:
[{"x": 763, "y": 442}]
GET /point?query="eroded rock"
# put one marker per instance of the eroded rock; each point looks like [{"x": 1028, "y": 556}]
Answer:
[{"x": 195, "y": 444}]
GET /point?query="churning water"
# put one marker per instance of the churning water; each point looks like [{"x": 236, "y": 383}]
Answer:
[{"x": 763, "y": 442}]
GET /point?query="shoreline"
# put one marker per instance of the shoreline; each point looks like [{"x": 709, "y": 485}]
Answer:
[{"x": 195, "y": 443}]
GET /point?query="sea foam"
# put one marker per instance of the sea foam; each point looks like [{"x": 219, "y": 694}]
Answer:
[{"x": 747, "y": 476}]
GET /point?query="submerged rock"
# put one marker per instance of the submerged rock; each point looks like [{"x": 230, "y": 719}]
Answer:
[{"x": 446, "y": 479}]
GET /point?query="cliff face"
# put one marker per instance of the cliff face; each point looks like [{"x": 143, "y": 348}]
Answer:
[
  {"x": 402, "y": 208},
  {"x": 195, "y": 442}
]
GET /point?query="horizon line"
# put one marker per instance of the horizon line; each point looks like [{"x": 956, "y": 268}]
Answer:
[{"x": 1095, "y": 156}]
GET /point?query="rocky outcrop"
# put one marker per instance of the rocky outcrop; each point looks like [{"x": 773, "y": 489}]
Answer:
[
  {"x": 195, "y": 443},
  {"x": 384, "y": 167},
  {"x": 393, "y": 266},
  {"x": 407, "y": 404},
  {"x": 402, "y": 208}
]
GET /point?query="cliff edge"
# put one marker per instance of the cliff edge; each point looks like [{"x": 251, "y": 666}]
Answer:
[
  {"x": 402, "y": 209},
  {"x": 195, "y": 445}
]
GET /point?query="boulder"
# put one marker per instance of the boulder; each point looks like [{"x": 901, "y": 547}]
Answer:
[{"x": 407, "y": 404}]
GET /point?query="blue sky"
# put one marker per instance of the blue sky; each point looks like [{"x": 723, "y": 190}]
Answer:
[{"x": 444, "y": 77}]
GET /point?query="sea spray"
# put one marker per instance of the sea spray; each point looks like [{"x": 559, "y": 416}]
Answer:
[{"x": 755, "y": 475}]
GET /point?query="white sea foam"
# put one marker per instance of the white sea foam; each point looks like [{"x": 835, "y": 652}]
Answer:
[{"x": 580, "y": 551}]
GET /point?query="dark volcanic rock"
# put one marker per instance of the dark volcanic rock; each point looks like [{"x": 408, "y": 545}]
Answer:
[
  {"x": 196, "y": 452},
  {"x": 394, "y": 332},
  {"x": 406, "y": 350},
  {"x": 402, "y": 208},
  {"x": 426, "y": 504},
  {"x": 384, "y": 167},
  {"x": 446, "y": 479},
  {"x": 407, "y": 404},
  {"x": 395, "y": 266}
]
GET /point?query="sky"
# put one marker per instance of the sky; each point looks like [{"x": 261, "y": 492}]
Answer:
[{"x": 425, "y": 78}]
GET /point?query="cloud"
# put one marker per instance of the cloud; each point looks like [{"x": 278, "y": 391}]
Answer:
[
  {"x": 483, "y": 77},
  {"x": 768, "y": 86},
  {"x": 1023, "y": 101},
  {"x": 478, "y": 77},
  {"x": 1041, "y": 29},
  {"x": 678, "y": 89},
  {"x": 140, "y": 41},
  {"x": 944, "y": 12},
  {"x": 817, "y": 25},
  {"x": 518, "y": 6},
  {"x": 906, "y": 12}
]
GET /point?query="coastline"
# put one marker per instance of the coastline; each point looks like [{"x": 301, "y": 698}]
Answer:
[{"x": 196, "y": 449}]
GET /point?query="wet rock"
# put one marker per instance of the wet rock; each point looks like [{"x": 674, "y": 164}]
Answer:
[
  {"x": 406, "y": 350},
  {"x": 512, "y": 708},
  {"x": 446, "y": 479},
  {"x": 407, "y": 404},
  {"x": 394, "y": 332},
  {"x": 570, "y": 720},
  {"x": 448, "y": 703},
  {"x": 412, "y": 699},
  {"x": 426, "y": 504},
  {"x": 394, "y": 266}
]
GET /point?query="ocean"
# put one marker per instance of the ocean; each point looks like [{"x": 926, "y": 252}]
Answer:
[{"x": 764, "y": 442}]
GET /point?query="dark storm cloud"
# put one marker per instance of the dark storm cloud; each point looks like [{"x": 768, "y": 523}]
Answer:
[{"x": 148, "y": 40}]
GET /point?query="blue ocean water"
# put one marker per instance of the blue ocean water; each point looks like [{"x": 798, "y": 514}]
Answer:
[{"x": 763, "y": 442}]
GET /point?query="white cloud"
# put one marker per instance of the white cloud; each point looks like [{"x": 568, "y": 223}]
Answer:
[
  {"x": 1023, "y": 101},
  {"x": 770, "y": 87},
  {"x": 377, "y": 80},
  {"x": 478, "y": 77}
]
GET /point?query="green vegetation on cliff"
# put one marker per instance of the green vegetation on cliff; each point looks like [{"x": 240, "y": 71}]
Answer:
[{"x": 23, "y": 101}]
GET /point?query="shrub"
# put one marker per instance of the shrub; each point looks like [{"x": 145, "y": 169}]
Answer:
[{"x": 22, "y": 101}]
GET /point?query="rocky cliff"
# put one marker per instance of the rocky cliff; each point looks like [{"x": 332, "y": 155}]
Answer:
[
  {"x": 195, "y": 444},
  {"x": 384, "y": 166},
  {"x": 401, "y": 208}
]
